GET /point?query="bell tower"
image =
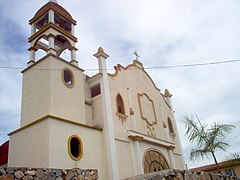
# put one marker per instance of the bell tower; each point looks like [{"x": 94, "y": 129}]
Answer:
[
  {"x": 52, "y": 85},
  {"x": 52, "y": 30}
]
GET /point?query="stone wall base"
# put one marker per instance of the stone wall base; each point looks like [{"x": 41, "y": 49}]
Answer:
[
  {"x": 174, "y": 174},
  {"x": 11, "y": 173}
]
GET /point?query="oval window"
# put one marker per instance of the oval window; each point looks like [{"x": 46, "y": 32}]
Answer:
[
  {"x": 67, "y": 77},
  {"x": 75, "y": 147}
]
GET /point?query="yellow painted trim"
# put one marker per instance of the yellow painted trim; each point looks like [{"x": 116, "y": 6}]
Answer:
[
  {"x": 45, "y": 11},
  {"x": 55, "y": 118},
  {"x": 141, "y": 111},
  {"x": 53, "y": 26},
  {"x": 58, "y": 58},
  {"x": 80, "y": 148},
  {"x": 119, "y": 67},
  {"x": 72, "y": 75}
]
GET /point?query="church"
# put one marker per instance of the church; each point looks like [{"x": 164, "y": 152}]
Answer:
[{"x": 120, "y": 124}]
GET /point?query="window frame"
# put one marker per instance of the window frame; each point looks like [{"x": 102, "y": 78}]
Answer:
[
  {"x": 72, "y": 78},
  {"x": 122, "y": 104},
  {"x": 80, "y": 148}
]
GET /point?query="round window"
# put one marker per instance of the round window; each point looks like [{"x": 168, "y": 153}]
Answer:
[
  {"x": 67, "y": 77},
  {"x": 75, "y": 147}
]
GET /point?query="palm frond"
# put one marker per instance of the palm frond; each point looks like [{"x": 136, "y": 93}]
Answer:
[
  {"x": 195, "y": 132},
  {"x": 206, "y": 140},
  {"x": 199, "y": 154}
]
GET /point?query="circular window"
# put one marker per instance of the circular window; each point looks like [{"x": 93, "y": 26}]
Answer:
[
  {"x": 67, "y": 77},
  {"x": 75, "y": 147}
]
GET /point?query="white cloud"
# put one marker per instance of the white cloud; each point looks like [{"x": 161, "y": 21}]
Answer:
[{"x": 163, "y": 32}]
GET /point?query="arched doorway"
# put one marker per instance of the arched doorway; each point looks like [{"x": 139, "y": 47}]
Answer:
[{"x": 154, "y": 161}]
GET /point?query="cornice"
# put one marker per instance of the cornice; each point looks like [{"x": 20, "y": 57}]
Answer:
[
  {"x": 53, "y": 26},
  {"x": 55, "y": 118},
  {"x": 45, "y": 57},
  {"x": 142, "y": 137},
  {"x": 44, "y": 11}
]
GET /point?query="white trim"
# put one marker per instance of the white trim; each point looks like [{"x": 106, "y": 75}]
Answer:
[{"x": 143, "y": 137}]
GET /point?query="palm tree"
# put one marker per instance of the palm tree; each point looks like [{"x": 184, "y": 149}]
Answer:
[{"x": 208, "y": 140}]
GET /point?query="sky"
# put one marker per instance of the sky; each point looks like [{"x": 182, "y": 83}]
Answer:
[{"x": 163, "y": 32}]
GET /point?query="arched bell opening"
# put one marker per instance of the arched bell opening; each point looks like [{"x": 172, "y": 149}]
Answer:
[
  {"x": 42, "y": 22},
  {"x": 62, "y": 46},
  {"x": 61, "y": 22},
  {"x": 41, "y": 46}
]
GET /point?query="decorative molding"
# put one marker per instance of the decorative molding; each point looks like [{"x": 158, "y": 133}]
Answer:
[
  {"x": 135, "y": 64},
  {"x": 122, "y": 117},
  {"x": 145, "y": 138},
  {"x": 55, "y": 118},
  {"x": 88, "y": 103},
  {"x": 154, "y": 160},
  {"x": 39, "y": 14},
  {"x": 151, "y": 131},
  {"x": 53, "y": 26},
  {"x": 150, "y": 122},
  {"x": 131, "y": 111},
  {"x": 164, "y": 125},
  {"x": 48, "y": 55}
]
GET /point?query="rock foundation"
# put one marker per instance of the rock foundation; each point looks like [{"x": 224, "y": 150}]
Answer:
[
  {"x": 39, "y": 174},
  {"x": 182, "y": 175}
]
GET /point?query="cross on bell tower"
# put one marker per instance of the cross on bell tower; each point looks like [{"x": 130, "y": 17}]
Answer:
[{"x": 52, "y": 30}]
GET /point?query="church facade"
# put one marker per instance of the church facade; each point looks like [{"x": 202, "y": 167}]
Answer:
[{"x": 120, "y": 123}]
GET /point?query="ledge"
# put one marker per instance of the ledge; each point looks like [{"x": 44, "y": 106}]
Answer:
[
  {"x": 136, "y": 136},
  {"x": 55, "y": 118},
  {"x": 122, "y": 117}
]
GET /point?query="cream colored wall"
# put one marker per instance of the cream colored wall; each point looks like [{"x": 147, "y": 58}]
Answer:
[
  {"x": 29, "y": 147},
  {"x": 137, "y": 81},
  {"x": 68, "y": 103},
  {"x": 36, "y": 93},
  {"x": 93, "y": 147},
  {"x": 178, "y": 161},
  {"x": 97, "y": 109},
  {"x": 88, "y": 103},
  {"x": 45, "y": 93},
  {"x": 124, "y": 157},
  {"x": 45, "y": 144}
]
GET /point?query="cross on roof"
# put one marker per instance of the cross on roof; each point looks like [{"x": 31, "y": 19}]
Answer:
[{"x": 136, "y": 54}]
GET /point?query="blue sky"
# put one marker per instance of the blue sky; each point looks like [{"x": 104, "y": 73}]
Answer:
[{"x": 163, "y": 32}]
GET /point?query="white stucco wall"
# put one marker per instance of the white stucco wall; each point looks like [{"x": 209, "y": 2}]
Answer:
[{"x": 29, "y": 147}]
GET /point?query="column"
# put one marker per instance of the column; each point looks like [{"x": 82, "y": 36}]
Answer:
[
  {"x": 136, "y": 143},
  {"x": 33, "y": 28},
  {"x": 72, "y": 30},
  {"x": 108, "y": 128},
  {"x": 32, "y": 56},
  {"x": 171, "y": 158},
  {"x": 168, "y": 96},
  {"x": 51, "y": 44},
  {"x": 51, "y": 16},
  {"x": 73, "y": 56}
]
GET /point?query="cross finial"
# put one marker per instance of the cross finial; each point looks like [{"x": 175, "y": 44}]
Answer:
[
  {"x": 55, "y": 1},
  {"x": 136, "y": 54}
]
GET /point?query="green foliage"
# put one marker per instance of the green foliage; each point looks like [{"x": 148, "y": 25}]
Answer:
[
  {"x": 207, "y": 139},
  {"x": 233, "y": 157}
]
